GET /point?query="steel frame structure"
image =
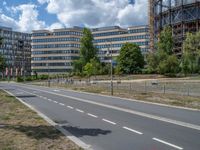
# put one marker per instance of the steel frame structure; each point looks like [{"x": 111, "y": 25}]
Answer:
[{"x": 182, "y": 15}]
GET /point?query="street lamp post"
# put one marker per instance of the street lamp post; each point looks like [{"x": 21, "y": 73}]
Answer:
[
  {"x": 48, "y": 75},
  {"x": 111, "y": 68}
]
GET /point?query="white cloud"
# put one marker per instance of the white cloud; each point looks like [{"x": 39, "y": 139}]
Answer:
[
  {"x": 89, "y": 13},
  {"x": 4, "y": 3},
  {"x": 43, "y": 1},
  {"x": 55, "y": 25},
  {"x": 95, "y": 13},
  {"x": 27, "y": 21},
  {"x": 8, "y": 21}
]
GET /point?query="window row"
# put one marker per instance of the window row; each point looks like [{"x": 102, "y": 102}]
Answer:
[
  {"x": 55, "y": 40},
  {"x": 55, "y": 46},
  {"x": 55, "y": 58},
  {"x": 138, "y": 30},
  {"x": 122, "y": 38},
  {"x": 51, "y": 64},
  {"x": 52, "y": 70},
  {"x": 58, "y": 33},
  {"x": 56, "y": 52},
  {"x": 120, "y": 45},
  {"x": 109, "y": 33}
]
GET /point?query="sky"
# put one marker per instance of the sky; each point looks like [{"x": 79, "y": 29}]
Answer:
[{"x": 28, "y": 15}]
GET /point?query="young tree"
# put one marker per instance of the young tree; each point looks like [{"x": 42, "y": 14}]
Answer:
[
  {"x": 87, "y": 51},
  {"x": 163, "y": 61},
  {"x": 191, "y": 53},
  {"x": 130, "y": 59},
  {"x": 165, "y": 42}
]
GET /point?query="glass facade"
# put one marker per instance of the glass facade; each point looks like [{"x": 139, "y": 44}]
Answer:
[
  {"x": 54, "y": 51},
  {"x": 16, "y": 49}
]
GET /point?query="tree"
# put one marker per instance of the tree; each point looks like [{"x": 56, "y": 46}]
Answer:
[
  {"x": 92, "y": 67},
  {"x": 152, "y": 61},
  {"x": 164, "y": 61},
  {"x": 87, "y": 51},
  {"x": 2, "y": 64},
  {"x": 1, "y": 41},
  {"x": 78, "y": 66},
  {"x": 130, "y": 59},
  {"x": 170, "y": 66},
  {"x": 191, "y": 53},
  {"x": 165, "y": 42}
]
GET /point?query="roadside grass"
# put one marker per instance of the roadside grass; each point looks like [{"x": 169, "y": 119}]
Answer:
[{"x": 23, "y": 129}]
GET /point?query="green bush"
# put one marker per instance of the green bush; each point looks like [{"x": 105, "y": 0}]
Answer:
[
  {"x": 29, "y": 78},
  {"x": 20, "y": 79},
  {"x": 43, "y": 77}
]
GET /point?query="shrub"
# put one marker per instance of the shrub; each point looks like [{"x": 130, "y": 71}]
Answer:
[{"x": 20, "y": 79}]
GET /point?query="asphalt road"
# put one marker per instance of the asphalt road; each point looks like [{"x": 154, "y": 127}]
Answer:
[{"x": 109, "y": 123}]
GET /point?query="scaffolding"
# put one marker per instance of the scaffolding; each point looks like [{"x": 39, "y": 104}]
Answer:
[{"x": 182, "y": 15}]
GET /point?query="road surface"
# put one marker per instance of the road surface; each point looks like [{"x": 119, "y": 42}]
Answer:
[{"x": 110, "y": 123}]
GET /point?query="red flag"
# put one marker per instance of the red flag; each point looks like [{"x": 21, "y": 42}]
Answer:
[
  {"x": 11, "y": 71},
  {"x": 6, "y": 71},
  {"x": 16, "y": 71}
]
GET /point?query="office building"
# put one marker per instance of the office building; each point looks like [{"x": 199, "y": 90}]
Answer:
[
  {"x": 113, "y": 38},
  {"x": 54, "y": 51},
  {"x": 16, "y": 49}
]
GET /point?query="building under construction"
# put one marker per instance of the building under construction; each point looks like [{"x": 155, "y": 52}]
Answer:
[{"x": 182, "y": 15}]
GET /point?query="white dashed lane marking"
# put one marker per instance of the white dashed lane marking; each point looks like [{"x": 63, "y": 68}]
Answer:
[
  {"x": 92, "y": 115},
  {"x": 132, "y": 130},
  {"x": 108, "y": 121},
  {"x": 166, "y": 143},
  {"x": 62, "y": 104},
  {"x": 70, "y": 107},
  {"x": 55, "y": 102},
  {"x": 81, "y": 111}
]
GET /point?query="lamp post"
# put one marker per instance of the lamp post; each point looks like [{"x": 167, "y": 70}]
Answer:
[
  {"x": 111, "y": 67},
  {"x": 48, "y": 75}
]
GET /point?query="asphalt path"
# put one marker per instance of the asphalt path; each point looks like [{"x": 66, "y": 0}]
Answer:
[{"x": 110, "y": 123}]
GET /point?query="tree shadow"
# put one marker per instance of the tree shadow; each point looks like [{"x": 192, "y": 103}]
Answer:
[
  {"x": 36, "y": 132},
  {"x": 21, "y": 96},
  {"x": 80, "y": 132}
]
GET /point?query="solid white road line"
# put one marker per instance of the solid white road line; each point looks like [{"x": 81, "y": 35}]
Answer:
[
  {"x": 113, "y": 123},
  {"x": 133, "y": 130},
  {"x": 81, "y": 111},
  {"x": 70, "y": 107},
  {"x": 62, "y": 104},
  {"x": 55, "y": 102},
  {"x": 169, "y": 144},
  {"x": 92, "y": 115}
]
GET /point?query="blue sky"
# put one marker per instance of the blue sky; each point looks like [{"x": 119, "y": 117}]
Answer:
[{"x": 28, "y": 15}]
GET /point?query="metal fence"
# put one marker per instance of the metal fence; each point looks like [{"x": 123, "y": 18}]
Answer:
[{"x": 187, "y": 88}]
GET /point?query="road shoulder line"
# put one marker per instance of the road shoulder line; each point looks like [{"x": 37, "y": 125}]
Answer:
[{"x": 51, "y": 122}]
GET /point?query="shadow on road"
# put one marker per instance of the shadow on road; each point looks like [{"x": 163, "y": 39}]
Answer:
[
  {"x": 36, "y": 132},
  {"x": 80, "y": 132}
]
